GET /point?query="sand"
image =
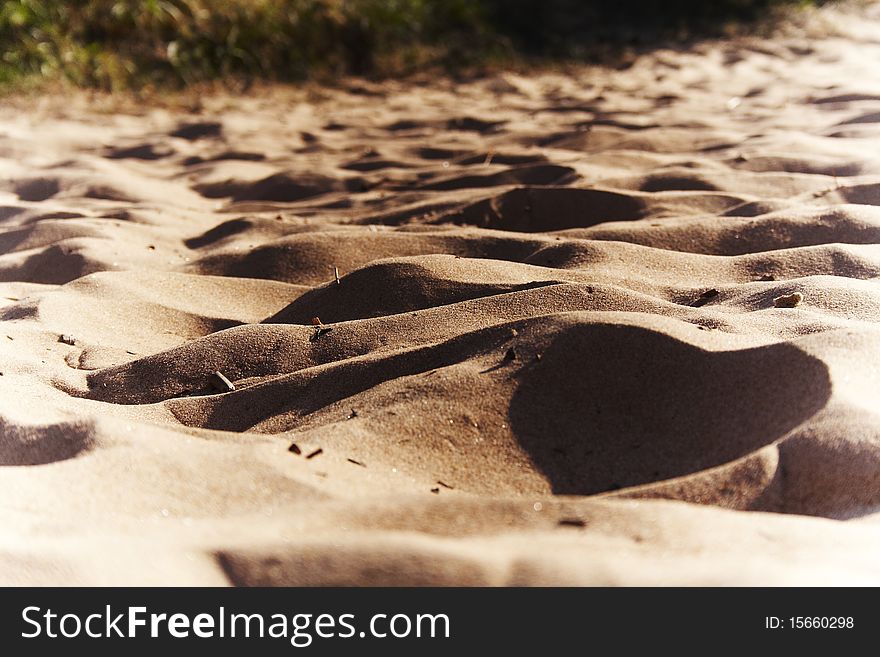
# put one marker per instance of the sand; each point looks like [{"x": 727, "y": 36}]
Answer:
[{"x": 582, "y": 327}]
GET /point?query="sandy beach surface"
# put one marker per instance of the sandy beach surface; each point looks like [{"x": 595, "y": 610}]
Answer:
[{"x": 592, "y": 327}]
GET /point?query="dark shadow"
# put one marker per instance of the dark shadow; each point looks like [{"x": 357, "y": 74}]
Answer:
[
  {"x": 574, "y": 28},
  {"x": 42, "y": 444},
  {"x": 608, "y": 407},
  {"x": 676, "y": 183},
  {"x": 244, "y": 156},
  {"x": 536, "y": 210},
  {"x": 199, "y": 130},
  {"x": 388, "y": 288},
  {"x": 537, "y": 174},
  {"x": 220, "y": 232},
  {"x": 55, "y": 265},
  {"x": 472, "y": 124},
  {"x": 491, "y": 157},
  {"x": 279, "y": 187},
  {"x": 37, "y": 189},
  {"x": 10, "y": 211},
  {"x": 140, "y": 152},
  {"x": 374, "y": 164}
]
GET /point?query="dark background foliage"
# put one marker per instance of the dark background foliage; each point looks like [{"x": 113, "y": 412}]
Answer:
[{"x": 127, "y": 43}]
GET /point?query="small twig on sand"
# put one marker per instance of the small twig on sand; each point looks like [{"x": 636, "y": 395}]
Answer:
[
  {"x": 317, "y": 452},
  {"x": 571, "y": 522},
  {"x": 336, "y": 274},
  {"x": 220, "y": 383},
  {"x": 705, "y": 298},
  {"x": 363, "y": 465}
]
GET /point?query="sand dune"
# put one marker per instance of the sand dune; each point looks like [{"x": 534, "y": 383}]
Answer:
[{"x": 601, "y": 327}]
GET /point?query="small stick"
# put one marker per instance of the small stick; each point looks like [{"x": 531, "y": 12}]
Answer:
[
  {"x": 445, "y": 485},
  {"x": 705, "y": 298},
  {"x": 571, "y": 522},
  {"x": 363, "y": 465},
  {"x": 220, "y": 383},
  {"x": 317, "y": 452},
  {"x": 336, "y": 273}
]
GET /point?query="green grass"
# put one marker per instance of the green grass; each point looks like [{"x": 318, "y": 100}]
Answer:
[{"x": 127, "y": 44}]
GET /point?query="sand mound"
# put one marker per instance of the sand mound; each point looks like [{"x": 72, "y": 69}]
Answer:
[
  {"x": 523, "y": 330},
  {"x": 534, "y": 210}
]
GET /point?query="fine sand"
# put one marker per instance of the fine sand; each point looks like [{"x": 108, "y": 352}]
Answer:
[{"x": 593, "y": 327}]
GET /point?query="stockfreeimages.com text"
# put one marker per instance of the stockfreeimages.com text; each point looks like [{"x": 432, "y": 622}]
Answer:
[{"x": 299, "y": 629}]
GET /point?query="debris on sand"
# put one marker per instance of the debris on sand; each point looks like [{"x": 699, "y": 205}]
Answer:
[
  {"x": 571, "y": 522},
  {"x": 788, "y": 300},
  {"x": 319, "y": 331},
  {"x": 445, "y": 485},
  {"x": 66, "y": 338},
  {"x": 294, "y": 449},
  {"x": 705, "y": 298},
  {"x": 317, "y": 452},
  {"x": 220, "y": 383},
  {"x": 510, "y": 354},
  {"x": 435, "y": 490},
  {"x": 363, "y": 465}
]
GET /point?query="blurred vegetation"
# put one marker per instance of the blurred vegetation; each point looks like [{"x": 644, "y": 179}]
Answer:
[{"x": 112, "y": 44}]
